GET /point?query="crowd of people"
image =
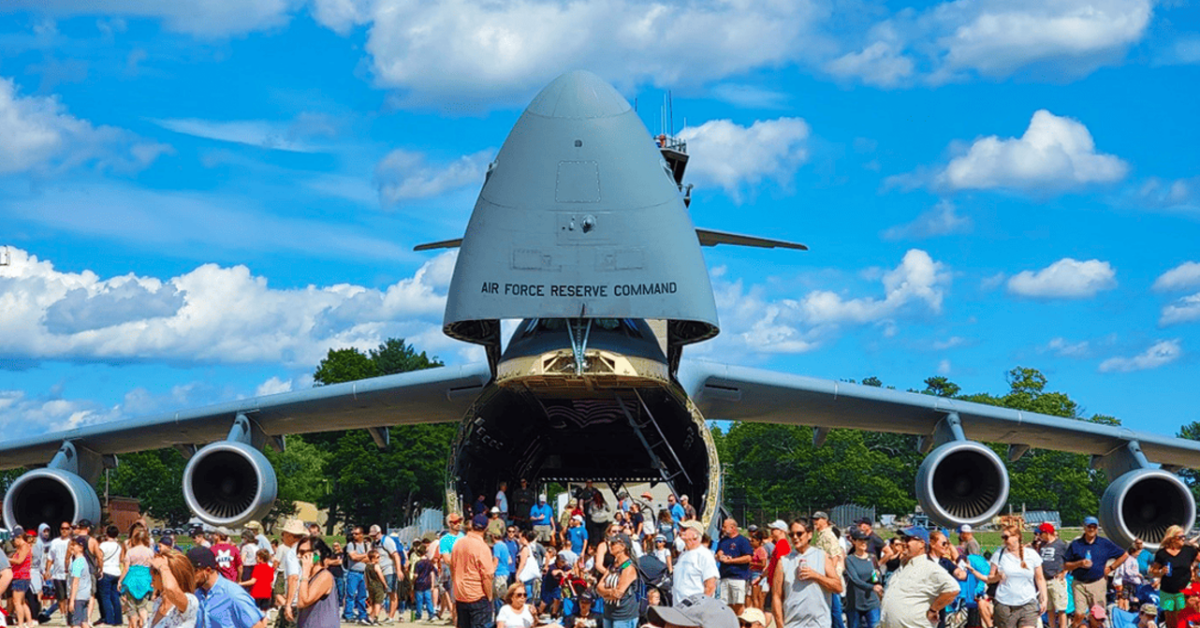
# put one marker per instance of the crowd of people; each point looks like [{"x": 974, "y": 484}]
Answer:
[{"x": 622, "y": 565}]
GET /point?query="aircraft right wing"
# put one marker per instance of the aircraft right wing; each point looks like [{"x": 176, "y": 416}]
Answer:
[
  {"x": 427, "y": 396},
  {"x": 748, "y": 394},
  {"x": 962, "y": 480}
]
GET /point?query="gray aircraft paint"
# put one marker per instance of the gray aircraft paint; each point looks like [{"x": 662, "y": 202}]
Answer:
[{"x": 579, "y": 218}]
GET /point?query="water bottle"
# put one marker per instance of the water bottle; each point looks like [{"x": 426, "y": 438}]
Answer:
[
  {"x": 1168, "y": 569},
  {"x": 1088, "y": 556}
]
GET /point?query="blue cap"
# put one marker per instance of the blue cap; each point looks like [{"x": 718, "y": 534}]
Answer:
[
  {"x": 1090, "y": 521},
  {"x": 916, "y": 532}
]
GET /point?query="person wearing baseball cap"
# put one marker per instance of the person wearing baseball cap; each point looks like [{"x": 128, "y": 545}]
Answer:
[
  {"x": 577, "y": 535},
  {"x": 474, "y": 570},
  {"x": 1053, "y": 551},
  {"x": 1191, "y": 611},
  {"x": 223, "y": 603},
  {"x": 967, "y": 543},
  {"x": 752, "y": 618},
  {"x": 919, "y": 590},
  {"x": 1087, "y": 559},
  {"x": 699, "y": 611},
  {"x": 779, "y": 548}
]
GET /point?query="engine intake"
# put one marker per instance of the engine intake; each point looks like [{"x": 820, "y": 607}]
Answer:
[
  {"x": 49, "y": 496},
  {"x": 228, "y": 483},
  {"x": 962, "y": 482},
  {"x": 1142, "y": 504}
]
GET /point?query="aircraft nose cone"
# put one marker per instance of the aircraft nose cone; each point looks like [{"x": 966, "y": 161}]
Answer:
[{"x": 579, "y": 94}]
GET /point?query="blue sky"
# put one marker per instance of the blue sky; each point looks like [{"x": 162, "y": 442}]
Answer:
[{"x": 199, "y": 199}]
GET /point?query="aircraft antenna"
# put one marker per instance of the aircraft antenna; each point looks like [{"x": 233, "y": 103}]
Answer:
[{"x": 671, "y": 109}]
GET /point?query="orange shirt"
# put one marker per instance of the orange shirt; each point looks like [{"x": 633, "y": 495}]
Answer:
[{"x": 472, "y": 568}]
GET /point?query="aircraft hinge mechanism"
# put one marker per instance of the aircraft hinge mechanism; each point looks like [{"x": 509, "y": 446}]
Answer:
[
  {"x": 1125, "y": 458},
  {"x": 86, "y": 463},
  {"x": 819, "y": 436},
  {"x": 381, "y": 435},
  {"x": 948, "y": 429},
  {"x": 579, "y": 329}
]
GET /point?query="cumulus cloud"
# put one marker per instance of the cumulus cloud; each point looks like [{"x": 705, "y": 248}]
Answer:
[
  {"x": 207, "y": 18},
  {"x": 1181, "y": 195},
  {"x": 941, "y": 220},
  {"x": 1065, "y": 279},
  {"x": 1162, "y": 353},
  {"x": 472, "y": 51},
  {"x": 732, "y": 156},
  {"x": 212, "y": 314},
  {"x": 405, "y": 175},
  {"x": 995, "y": 39},
  {"x": 1182, "y": 277},
  {"x": 1055, "y": 153},
  {"x": 1184, "y": 310},
  {"x": 753, "y": 322},
  {"x": 38, "y": 135}
]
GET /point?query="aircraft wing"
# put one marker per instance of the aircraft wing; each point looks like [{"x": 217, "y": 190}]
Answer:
[
  {"x": 427, "y": 396},
  {"x": 725, "y": 392}
]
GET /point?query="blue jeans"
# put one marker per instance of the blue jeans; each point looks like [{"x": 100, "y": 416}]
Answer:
[
  {"x": 424, "y": 599},
  {"x": 862, "y": 619},
  {"x": 340, "y": 583},
  {"x": 356, "y": 595},
  {"x": 110, "y": 600},
  {"x": 835, "y": 606},
  {"x": 621, "y": 623}
]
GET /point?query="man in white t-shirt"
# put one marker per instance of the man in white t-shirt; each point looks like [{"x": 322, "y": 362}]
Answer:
[
  {"x": 696, "y": 571},
  {"x": 56, "y": 567}
]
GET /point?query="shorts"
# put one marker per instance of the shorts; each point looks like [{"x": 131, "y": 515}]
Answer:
[
  {"x": 133, "y": 607},
  {"x": 78, "y": 615},
  {"x": 499, "y": 587},
  {"x": 1088, "y": 594},
  {"x": 1170, "y": 601},
  {"x": 1016, "y": 616},
  {"x": 375, "y": 591},
  {"x": 280, "y": 586},
  {"x": 60, "y": 590},
  {"x": 732, "y": 591},
  {"x": 477, "y": 614},
  {"x": 391, "y": 582},
  {"x": 21, "y": 586},
  {"x": 549, "y": 597},
  {"x": 1056, "y": 595},
  {"x": 544, "y": 533}
]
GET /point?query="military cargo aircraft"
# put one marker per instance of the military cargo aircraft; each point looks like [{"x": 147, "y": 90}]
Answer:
[{"x": 582, "y": 233}]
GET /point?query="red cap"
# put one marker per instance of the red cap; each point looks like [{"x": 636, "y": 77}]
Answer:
[
  {"x": 1046, "y": 527},
  {"x": 1192, "y": 590}
]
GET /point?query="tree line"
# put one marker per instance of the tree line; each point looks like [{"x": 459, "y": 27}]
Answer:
[{"x": 770, "y": 470}]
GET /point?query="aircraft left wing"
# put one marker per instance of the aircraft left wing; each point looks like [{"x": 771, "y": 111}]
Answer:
[
  {"x": 747, "y": 394},
  {"x": 427, "y": 396}
]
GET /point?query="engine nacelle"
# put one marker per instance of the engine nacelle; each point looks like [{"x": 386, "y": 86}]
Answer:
[
  {"x": 50, "y": 496},
  {"x": 962, "y": 482},
  {"x": 228, "y": 483},
  {"x": 1142, "y": 504}
]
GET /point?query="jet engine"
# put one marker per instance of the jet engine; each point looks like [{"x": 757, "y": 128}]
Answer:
[
  {"x": 1142, "y": 504},
  {"x": 961, "y": 482},
  {"x": 51, "y": 496},
  {"x": 228, "y": 483}
]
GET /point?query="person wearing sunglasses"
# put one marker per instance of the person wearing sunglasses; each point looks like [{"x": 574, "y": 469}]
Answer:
[
  {"x": 515, "y": 613},
  {"x": 1021, "y": 596},
  {"x": 919, "y": 589},
  {"x": 1087, "y": 560},
  {"x": 318, "y": 601},
  {"x": 804, "y": 581},
  {"x": 56, "y": 568},
  {"x": 696, "y": 571},
  {"x": 620, "y": 604},
  {"x": 223, "y": 602}
]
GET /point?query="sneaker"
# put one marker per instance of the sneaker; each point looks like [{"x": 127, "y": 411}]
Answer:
[{"x": 272, "y": 614}]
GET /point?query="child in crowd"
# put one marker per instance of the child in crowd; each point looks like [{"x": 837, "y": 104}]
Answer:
[
  {"x": 80, "y": 583},
  {"x": 376, "y": 589},
  {"x": 261, "y": 579}
]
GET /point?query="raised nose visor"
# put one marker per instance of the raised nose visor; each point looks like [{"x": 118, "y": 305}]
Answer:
[{"x": 579, "y": 219}]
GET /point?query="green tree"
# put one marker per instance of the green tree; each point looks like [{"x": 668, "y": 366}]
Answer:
[
  {"x": 155, "y": 478},
  {"x": 1191, "y": 477},
  {"x": 300, "y": 474},
  {"x": 369, "y": 485},
  {"x": 940, "y": 387}
]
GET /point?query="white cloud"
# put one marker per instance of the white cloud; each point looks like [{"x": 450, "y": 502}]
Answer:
[
  {"x": 1064, "y": 348},
  {"x": 938, "y": 221},
  {"x": 750, "y": 96},
  {"x": 962, "y": 39},
  {"x": 273, "y": 386},
  {"x": 472, "y": 51},
  {"x": 1181, "y": 195},
  {"x": 1065, "y": 279},
  {"x": 943, "y": 367},
  {"x": 752, "y": 322},
  {"x": 1182, "y": 277},
  {"x": 732, "y": 156},
  {"x": 1055, "y": 154},
  {"x": 38, "y": 135},
  {"x": 949, "y": 343},
  {"x": 880, "y": 64},
  {"x": 208, "y": 18},
  {"x": 211, "y": 314},
  {"x": 291, "y": 137},
  {"x": 1184, "y": 310},
  {"x": 1160, "y": 354},
  {"x": 405, "y": 175}
]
